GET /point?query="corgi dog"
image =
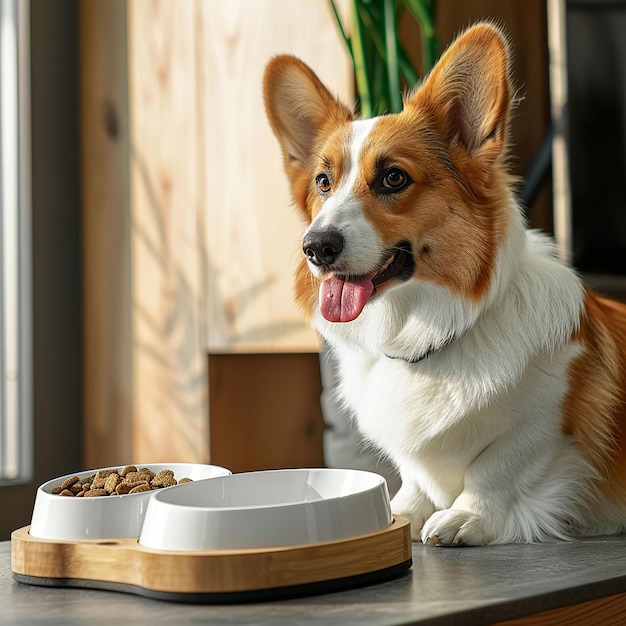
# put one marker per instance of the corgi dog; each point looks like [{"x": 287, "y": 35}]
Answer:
[{"x": 467, "y": 351}]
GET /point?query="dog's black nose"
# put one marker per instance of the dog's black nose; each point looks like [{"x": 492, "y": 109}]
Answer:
[{"x": 323, "y": 247}]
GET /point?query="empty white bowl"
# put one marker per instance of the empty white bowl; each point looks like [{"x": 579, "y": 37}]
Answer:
[
  {"x": 267, "y": 509},
  {"x": 107, "y": 517}
]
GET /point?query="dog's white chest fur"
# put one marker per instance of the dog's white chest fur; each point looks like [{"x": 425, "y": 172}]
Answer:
[{"x": 435, "y": 424}]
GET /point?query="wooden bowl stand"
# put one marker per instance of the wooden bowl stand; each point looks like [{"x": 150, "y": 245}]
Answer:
[{"x": 214, "y": 576}]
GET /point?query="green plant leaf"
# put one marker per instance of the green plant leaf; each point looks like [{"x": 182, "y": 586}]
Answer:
[
  {"x": 360, "y": 66},
  {"x": 342, "y": 31},
  {"x": 391, "y": 57},
  {"x": 381, "y": 64}
]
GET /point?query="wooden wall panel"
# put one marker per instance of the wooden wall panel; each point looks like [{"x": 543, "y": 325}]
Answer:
[
  {"x": 189, "y": 233},
  {"x": 253, "y": 233},
  {"x": 107, "y": 299},
  {"x": 170, "y": 418}
]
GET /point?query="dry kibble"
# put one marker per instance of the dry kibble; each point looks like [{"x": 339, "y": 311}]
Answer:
[
  {"x": 101, "y": 476},
  {"x": 123, "y": 487},
  {"x": 140, "y": 487},
  {"x": 136, "y": 477},
  {"x": 98, "y": 482},
  {"x": 166, "y": 482},
  {"x": 104, "y": 473},
  {"x": 164, "y": 472},
  {"x": 164, "y": 478},
  {"x": 139, "y": 484},
  {"x": 113, "y": 482},
  {"x": 69, "y": 482}
]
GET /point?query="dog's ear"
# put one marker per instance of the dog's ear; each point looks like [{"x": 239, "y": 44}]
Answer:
[
  {"x": 299, "y": 109},
  {"x": 468, "y": 92}
]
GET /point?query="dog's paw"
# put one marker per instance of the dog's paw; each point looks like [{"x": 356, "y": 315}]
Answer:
[
  {"x": 417, "y": 510},
  {"x": 453, "y": 527}
]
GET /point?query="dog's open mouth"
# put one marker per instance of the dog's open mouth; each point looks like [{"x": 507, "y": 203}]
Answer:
[
  {"x": 343, "y": 297},
  {"x": 399, "y": 264}
]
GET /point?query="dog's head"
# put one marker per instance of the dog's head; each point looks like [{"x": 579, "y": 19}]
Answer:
[{"x": 419, "y": 195}]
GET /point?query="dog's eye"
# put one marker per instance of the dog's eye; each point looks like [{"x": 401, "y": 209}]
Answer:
[
  {"x": 323, "y": 183},
  {"x": 395, "y": 179}
]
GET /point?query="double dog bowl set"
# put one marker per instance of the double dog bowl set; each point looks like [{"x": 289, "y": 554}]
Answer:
[{"x": 221, "y": 538}]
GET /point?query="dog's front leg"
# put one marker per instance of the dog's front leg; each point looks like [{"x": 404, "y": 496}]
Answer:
[
  {"x": 414, "y": 504},
  {"x": 481, "y": 513},
  {"x": 518, "y": 489}
]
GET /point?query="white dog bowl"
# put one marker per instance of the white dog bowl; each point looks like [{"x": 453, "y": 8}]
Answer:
[
  {"x": 107, "y": 517},
  {"x": 267, "y": 509}
]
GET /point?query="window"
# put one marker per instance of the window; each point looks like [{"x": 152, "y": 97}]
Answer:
[{"x": 15, "y": 248}]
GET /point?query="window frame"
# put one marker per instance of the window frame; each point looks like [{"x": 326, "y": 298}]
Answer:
[{"x": 16, "y": 382}]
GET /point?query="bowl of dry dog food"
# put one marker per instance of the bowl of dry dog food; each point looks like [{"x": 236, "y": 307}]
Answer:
[
  {"x": 265, "y": 509},
  {"x": 107, "y": 503}
]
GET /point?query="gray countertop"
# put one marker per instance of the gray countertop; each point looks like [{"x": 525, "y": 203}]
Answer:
[{"x": 444, "y": 586}]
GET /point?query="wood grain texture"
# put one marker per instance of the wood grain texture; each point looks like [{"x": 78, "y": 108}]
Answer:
[
  {"x": 253, "y": 233},
  {"x": 126, "y": 562},
  {"x": 170, "y": 414},
  {"x": 609, "y": 611},
  {"x": 107, "y": 299}
]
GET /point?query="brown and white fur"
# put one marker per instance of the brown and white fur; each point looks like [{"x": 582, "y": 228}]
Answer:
[{"x": 469, "y": 354}]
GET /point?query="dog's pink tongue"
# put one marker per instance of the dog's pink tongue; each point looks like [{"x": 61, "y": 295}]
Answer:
[{"x": 343, "y": 300}]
